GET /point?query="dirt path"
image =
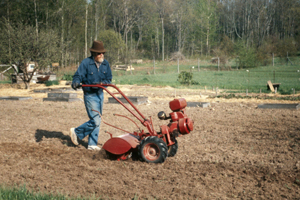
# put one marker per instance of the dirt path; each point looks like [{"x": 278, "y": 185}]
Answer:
[{"x": 235, "y": 151}]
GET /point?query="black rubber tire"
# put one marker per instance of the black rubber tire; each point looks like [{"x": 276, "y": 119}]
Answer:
[
  {"x": 153, "y": 150},
  {"x": 172, "y": 150}
]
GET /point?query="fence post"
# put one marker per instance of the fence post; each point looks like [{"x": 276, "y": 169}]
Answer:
[
  {"x": 294, "y": 92},
  {"x": 178, "y": 65},
  {"x": 198, "y": 65},
  {"x": 130, "y": 65},
  {"x": 153, "y": 65}
]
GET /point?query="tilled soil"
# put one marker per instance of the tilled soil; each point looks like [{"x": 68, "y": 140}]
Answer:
[{"x": 236, "y": 151}]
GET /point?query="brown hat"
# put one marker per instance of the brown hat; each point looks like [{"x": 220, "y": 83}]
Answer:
[{"x": 98, "y": 47}]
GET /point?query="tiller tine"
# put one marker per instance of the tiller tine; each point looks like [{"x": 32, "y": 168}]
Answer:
[{"x": 121, "y": 145}]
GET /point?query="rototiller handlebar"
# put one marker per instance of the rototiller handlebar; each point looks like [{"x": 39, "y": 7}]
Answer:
[{"x": 150, "y": 146}]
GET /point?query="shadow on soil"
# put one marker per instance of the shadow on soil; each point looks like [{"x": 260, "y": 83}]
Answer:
[{"x": 65, "y": 139}]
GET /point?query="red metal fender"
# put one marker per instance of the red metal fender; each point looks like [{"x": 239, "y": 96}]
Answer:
[
  {"x": 185, "y": 125},
  {"x": 121, "y": 144}
]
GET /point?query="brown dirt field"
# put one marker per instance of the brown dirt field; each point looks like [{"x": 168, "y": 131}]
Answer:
[{"x": 236, "y": 150}]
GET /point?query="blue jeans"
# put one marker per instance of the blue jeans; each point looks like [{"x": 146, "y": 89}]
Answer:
[{"x": 92, "y": 101}]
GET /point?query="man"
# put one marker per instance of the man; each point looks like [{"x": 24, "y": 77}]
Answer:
[{"x": 92, "y": 70}]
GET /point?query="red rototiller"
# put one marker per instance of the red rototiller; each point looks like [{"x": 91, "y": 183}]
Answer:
[{"x": 149, "y": 146}]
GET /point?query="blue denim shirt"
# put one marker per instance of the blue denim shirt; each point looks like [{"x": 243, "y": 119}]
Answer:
[{"x": 88, "y": 73}]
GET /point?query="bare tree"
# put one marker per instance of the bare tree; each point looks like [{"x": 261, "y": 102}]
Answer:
[
  {"x": 163, "y": 8},
  {"x": 102, "y": 8},
  {"x": 28, "y": 47}
]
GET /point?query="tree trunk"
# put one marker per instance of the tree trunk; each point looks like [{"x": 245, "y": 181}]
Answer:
[
  {"x": 179, "y": 34},
  {"x": 62, "y": 35},
  {"x": 207, "y": 39},
  {"x": 96, "y": 19},
  {"x": 162, "y": 40},
  {"x": 157, "y": 43},
  {"x": 9, "y": 39},
  {"x": 140, "y": 35},
  {"x": 85, "y": 35},
  {"x": 36, "y": 20}
]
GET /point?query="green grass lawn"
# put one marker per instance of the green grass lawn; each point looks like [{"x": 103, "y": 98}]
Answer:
[
  {"x": 21, "y": 193},
  {"x": 253, "y": 79},
  {"x": 207, "y": 74}
]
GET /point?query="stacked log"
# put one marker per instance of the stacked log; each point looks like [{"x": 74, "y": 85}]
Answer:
[{"x": 123, "y": 67}]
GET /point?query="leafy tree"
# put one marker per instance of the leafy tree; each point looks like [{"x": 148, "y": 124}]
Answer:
[
  {"x": 26, "y": 46},
  {"x": 286, "y": 46},
  {"x": 246, "y": 56},
  {"x": 206, "y": 21},
  {"x": 114, "y": 45}
]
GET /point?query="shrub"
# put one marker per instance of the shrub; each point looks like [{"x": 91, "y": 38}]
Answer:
[
  {"x": 67, "y": 77},
  {"x": 246, "y": 56},
  {"x": 186, "y": 78},
  {"x": 264, "y": 53},
  {"x": 287, "y": 46},
  {"x": 49, "y": 83}
]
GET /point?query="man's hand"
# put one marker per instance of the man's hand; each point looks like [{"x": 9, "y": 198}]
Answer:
[{"x": 75, "y": 85}]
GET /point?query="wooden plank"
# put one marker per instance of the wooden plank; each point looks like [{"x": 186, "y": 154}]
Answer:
[
  {"x": 271, "y": 86},
  {"x": 279, "y": 106},
  {"x": 14, "y": 98},
  {"x": 198, "y": 104},
  {"x": 62, "y": 99},
  {"x": 62, "y": 95},
  {"x": 59, "y": 90},
  {"x": 134, "y": 99}
]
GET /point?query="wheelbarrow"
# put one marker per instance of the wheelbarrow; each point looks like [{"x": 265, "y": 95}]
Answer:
[{"x": 147, "y": 145}]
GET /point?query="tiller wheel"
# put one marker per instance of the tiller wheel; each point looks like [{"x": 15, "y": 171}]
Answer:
[{"x": 150, "y": 146}]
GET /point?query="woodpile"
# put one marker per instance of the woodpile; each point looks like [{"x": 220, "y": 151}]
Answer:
[
  {"x": 123, "y": 67},
  {"x": 137, "y": 61}
]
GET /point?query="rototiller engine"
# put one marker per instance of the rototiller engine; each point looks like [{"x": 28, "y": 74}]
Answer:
[{"x": 150, "y": 146}]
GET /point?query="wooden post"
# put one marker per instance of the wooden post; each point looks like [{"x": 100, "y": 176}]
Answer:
[
  {"x": 271, "y": 86},
  {"x": 153, "y": 65},
  {"x": 130, "y": 67},
  {"x": 198, "y": 65},
  {"x": 178, "y": 65}
]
